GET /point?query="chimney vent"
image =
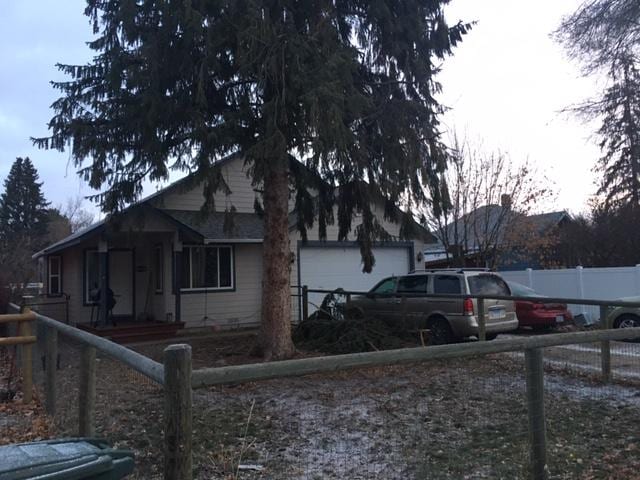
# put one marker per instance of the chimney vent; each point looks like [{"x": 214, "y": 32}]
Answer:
[{"x": 505, "y": 200}]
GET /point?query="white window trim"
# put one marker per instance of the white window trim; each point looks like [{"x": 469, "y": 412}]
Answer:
[
  {"x": 186, "y": 250},
  {"x": 51, "y": 275}
]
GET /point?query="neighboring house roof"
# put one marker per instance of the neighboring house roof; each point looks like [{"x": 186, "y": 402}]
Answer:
[{"x": 493, "y": 221}]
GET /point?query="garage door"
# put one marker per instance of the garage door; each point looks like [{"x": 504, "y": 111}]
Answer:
[{"x": 328, "y": 268}]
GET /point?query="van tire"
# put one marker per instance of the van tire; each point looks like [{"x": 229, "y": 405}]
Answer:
[
  {"x": 440, "y": 332},
  {"x": 490, "y": 336}
]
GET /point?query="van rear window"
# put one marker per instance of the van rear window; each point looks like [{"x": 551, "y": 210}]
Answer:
[{"x": 487, "y": 285}]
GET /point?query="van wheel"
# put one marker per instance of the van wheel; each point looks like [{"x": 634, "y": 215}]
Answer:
[
  {"x": 491, "y": 336},
  {"x": 440, "y": 332}
]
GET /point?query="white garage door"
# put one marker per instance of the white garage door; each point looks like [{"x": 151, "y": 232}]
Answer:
[{"x": 328, "y": 268}]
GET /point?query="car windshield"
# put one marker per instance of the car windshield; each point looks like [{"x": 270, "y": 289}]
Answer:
[
  {"x": 487, "y": 285},
  {"x": 388, "y": 285},
  {"x": 519, "y": 290}
]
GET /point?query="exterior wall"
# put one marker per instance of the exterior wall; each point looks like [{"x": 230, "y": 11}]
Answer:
[
  {"x": 242, "y": 195},
  {"x": 235, "y": 309},
  {"x": 72, "y": 283}
]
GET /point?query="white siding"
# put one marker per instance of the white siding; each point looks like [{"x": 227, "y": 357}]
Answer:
[
  {"x": 239, "y": 308},
  {"x": 242, "y": 195}
]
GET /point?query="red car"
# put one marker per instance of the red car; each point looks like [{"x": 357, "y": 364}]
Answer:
[{"x": 535, "y": 313}]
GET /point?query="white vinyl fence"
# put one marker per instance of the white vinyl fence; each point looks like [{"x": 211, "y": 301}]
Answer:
[{"x": 594, "y": 283}]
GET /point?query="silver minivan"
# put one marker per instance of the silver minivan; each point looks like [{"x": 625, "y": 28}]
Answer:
[{"x": 447, "y": 319}]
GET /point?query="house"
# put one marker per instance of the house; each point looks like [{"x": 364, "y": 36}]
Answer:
[
  {"x": 497, "y": 236},
  {"x": 163, "y": 261}
]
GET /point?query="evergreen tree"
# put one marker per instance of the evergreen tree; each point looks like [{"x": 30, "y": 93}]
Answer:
[
  {"x": 618, "y": 110},
  {"x": 601, "y": 33},
  {"x": 23, "y": 208},
  {"x": 23, "y": 220},
  {"x": 345, "y": 86}
]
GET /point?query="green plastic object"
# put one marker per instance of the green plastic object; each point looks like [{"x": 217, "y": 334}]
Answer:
[{"x": 65, "y": 459}]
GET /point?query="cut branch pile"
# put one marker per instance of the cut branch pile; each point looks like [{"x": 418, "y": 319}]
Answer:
[{"x": 348, "y": 335}]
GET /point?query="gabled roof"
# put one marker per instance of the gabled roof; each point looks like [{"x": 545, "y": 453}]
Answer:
[
  {"x": 247, "y": 227},
  {"x": 495, "y": 219}
]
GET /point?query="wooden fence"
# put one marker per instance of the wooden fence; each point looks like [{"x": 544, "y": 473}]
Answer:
[
  {"x": 25, "y": 340},
  {"x": 178, "y": 379}
]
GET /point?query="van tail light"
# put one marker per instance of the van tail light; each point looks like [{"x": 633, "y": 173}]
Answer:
[{"x": 467, "y": 307}]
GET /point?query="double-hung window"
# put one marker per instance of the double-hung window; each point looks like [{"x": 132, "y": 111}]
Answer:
[
  {"x": 207, "y": 268},
  {"x": 54, "y": 280}
]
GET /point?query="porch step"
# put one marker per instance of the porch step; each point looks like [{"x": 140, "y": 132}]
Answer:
[{"x": 131, "y": 332}]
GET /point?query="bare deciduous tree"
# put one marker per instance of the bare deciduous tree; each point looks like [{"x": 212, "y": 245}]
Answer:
[
  {"x": 78, "y": 217},
  {"x": 482, "y": 210}
]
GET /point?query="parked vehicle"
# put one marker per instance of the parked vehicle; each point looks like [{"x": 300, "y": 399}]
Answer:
[
  {"x": 625, "y": 317},
  {"x": 536, "y": 313},
  {"x": 447, "y": 319}
]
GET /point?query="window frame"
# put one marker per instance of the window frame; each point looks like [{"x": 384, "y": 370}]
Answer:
[
  {"x": 50, "y": 293},
  {"x": 187, "y": 252},
  {"x": 158, "y": 268}
]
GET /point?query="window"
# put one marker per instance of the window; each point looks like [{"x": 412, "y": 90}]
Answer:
[
  {"x": 413, "y": 284},
  {"x": 446, "y": 284},
  {"x": 91, "y": 276},
  {"x": 207, "y": 268},
  {"x": 487, "y": 285},
  {"x": 55, "y": 276},
  {"x": 388, "y": 285},
  {"x": 158, "y": 268}
]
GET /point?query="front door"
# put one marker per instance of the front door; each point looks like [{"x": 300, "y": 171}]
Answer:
[{"x": 121, "y": 281}]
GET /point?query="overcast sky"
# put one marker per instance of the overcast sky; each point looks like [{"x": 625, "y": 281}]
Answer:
[{"x": 505, "y": 85}]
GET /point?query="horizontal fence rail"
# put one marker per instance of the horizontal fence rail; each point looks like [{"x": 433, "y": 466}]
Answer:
[
  {"x": 287, "y": 368},
  {"x": 136, "y": 361}
]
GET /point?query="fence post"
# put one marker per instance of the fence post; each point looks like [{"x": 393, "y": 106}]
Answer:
[
  {"x": 177, "y": 413},
  {"x": 87, "y": 392},
  {"x": 305, "y": 303},
  {"x": 530, "y": 277},
  {"x": 580, "y": 278},
  {"x": 605, "y": 345},
  {"x": 51, "y": 357},
  {"x": 535, "y": 407},
  {"x": 482, "y": 324},
  {"x": 24, "y": 330}
]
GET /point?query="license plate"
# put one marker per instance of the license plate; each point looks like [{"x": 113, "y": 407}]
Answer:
[
  {"x": 496, "y": 313},
  {"x": 559, "y": 319}
]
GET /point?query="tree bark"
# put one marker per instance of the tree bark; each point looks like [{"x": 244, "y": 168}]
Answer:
[{"x": 276, "y": 297}]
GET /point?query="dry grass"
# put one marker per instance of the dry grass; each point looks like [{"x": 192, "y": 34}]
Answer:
[{"x": 443, "y": 420}]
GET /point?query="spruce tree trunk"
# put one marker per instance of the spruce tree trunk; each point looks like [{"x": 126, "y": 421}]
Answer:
[{"x": 276, "y": 295}]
